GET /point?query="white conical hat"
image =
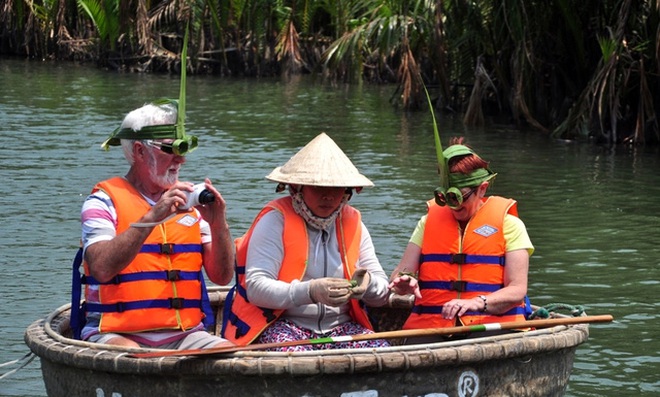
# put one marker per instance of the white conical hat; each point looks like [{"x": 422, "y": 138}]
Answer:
[{"x": 320, "y": 163}]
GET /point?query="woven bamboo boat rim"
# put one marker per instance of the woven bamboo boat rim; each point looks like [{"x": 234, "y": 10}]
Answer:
[{"x": 46, "y": 340}]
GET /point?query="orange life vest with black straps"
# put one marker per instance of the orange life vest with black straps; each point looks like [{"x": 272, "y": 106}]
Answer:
[
  {"x": 455, "y": 267},
  {"x": 162, "y": 288},
  {"x": 243, "y": 322}
]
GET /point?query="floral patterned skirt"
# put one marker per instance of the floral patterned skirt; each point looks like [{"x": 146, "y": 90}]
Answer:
[{"x": 284, "y": 331}]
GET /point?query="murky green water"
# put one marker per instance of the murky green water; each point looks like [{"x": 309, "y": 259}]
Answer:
[{"x": 591, "y": 212}]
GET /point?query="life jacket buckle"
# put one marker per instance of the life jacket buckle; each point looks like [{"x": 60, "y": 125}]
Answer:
[
  {"x": 459, "y": 286},
  {"x": 173, "y": 275},
  {"x": 176, "y": 303},
  {"x": 458, "y": 259},
  {"x": 167, "y": 249}
]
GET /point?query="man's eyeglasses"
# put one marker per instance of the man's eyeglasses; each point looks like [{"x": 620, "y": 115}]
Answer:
[
  {"x": 164, "y": 147},
  {"x": 453, "y": 197}
]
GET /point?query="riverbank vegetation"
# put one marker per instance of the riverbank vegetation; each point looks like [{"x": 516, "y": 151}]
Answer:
[{"x": 575, "y": 69}]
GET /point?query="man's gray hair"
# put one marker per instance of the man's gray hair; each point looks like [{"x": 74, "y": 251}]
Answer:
[{"x": 145, "y": 116}]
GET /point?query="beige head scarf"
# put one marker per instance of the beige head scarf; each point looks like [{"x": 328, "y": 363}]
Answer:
[{"x": 320, "y": 163}]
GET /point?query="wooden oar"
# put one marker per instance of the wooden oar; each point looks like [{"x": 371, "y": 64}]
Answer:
[{"x": 408, "y": 333}]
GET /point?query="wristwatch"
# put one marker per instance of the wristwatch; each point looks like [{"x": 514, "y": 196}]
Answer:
[{"x": 483, "y": 298}]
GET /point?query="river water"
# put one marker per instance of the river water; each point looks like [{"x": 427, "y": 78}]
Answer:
[{"x": 591, "y": 211}]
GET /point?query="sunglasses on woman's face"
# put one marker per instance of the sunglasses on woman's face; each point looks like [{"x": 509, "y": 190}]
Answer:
[{"x": 453, "y": 197}]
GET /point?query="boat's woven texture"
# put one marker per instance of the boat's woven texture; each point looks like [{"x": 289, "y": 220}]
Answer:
[{"x": 535, "y": 363}]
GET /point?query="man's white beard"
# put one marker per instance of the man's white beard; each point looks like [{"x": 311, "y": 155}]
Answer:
[{"x": 163, "y": 181}]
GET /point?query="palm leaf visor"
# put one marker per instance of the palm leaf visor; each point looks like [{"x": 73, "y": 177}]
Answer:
[
  {"x": 182, "y": 145},
  {"x": 451, "y": 194}
]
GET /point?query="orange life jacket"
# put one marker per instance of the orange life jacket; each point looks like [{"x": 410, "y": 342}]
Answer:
[
  {"x": 162, "y": 288},
  {"x": 452, "y": 267},
  {"x": 243, "y": 322}
]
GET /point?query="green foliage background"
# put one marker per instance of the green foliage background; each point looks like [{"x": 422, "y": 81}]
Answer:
[{"x": 576, "y": 69}]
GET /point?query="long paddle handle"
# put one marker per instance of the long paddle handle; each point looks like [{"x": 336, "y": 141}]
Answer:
[{"x": 406, "y": 333}]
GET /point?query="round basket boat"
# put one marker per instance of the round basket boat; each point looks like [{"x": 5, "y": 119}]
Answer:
[{"x": 531, "y": 363}]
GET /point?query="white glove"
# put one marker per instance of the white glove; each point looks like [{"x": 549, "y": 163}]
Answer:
[
  {"x": 330, "y": 291},
  {"x": 361, "y": 279}
]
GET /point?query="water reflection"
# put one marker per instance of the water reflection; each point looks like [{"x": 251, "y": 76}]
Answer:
[{"x": 591, "y": 212}]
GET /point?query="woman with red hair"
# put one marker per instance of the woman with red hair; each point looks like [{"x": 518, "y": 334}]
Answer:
[{"x": 467, "y": 260}]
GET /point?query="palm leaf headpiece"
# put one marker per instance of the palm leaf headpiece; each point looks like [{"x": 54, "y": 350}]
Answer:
[{"x": 183, "y": 144}]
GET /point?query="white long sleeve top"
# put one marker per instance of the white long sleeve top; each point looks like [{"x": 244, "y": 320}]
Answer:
[{"x": 264, "y": 260}]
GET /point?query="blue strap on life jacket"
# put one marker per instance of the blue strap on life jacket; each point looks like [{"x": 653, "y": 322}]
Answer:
[
  {"x": 170, "y": 303},
  {"x": 528, "y": 307},
  {"x": 164, "y": 275},
  {"x": 229, "y": 299},
  {"x": 460, "y": 286},
  {"x": 226, "y": 310},
  {"x": 463, "y": 259},
  {"x": 228, "y": 316},
  {"x": 77, "y": 306},
  {"x": 242, "y": 292},
  {"x": 239, "y": 270},
  {"x": 209, "y": 319},
  {"x": 170, "y": 249}
]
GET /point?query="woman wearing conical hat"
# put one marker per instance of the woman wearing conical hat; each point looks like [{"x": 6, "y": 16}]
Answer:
[
  {"x": 307, "y": 265},
  {"x": 468, "y": 258}
]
